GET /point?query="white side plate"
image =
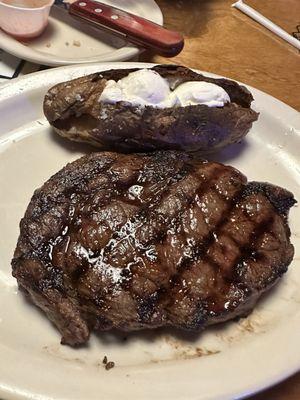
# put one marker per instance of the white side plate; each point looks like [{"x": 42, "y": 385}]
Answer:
[
  {"x": 66, "y": 41},
  {"x": 225, "y": 362}
]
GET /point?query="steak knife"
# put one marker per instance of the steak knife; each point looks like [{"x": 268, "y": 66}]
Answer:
[{"x": 133, "y": 28}]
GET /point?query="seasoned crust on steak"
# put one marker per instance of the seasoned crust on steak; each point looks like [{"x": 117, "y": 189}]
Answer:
[
  {"x": 142, "y": 241},
  {"x": 74, "y": 110}
]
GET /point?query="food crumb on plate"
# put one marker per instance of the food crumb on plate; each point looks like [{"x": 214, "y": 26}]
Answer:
[
  {"x": 76, "y": 43},
  {"x": 109, "y": 365}
]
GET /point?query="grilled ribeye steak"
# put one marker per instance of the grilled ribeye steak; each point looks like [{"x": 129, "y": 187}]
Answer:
[
  {"x": 143, "y": 241},
  {"x": 74, "y": 110}
]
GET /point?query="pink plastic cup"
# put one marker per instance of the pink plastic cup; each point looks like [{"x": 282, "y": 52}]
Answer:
[{"x": 24, "y": 19}]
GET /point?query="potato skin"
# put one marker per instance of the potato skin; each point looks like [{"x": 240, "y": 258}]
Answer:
[{"x": 74, "y": 110}]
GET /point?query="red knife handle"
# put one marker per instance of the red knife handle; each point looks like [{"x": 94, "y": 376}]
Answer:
[{"x": 137, "y": 30}]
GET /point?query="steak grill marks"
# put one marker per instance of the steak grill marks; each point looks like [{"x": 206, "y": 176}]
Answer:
[
  {"x": 143, "y": 255},
  {"x": 129, "y": 228},
  {"x": 194, "y": 250},
  {"x": 197, "y": 250}
]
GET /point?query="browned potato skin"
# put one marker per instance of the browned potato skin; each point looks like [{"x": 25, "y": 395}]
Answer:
[{"x": 74, "y": 110}]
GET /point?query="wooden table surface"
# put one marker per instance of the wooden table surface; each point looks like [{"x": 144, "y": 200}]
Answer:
[{"x": 222, "y": 40}]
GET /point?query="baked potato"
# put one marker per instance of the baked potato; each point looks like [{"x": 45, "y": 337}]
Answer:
[{"x": 74, "y": 110}]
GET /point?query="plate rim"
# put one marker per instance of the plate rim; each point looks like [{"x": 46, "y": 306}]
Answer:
[
  {"x": 13, "y": 88},
  {"x": 7, "y": 87}
]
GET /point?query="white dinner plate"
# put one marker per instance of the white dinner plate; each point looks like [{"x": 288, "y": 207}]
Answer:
[
  {"x": 67, "y": 41},
  {"x": 230, "y": 361}
]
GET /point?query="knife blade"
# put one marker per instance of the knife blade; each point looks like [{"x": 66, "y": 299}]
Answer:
[{"x": 131, "y": 27}]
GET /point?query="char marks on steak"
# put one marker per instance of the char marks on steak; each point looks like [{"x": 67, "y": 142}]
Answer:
[{"x": 149, "y": 240}]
